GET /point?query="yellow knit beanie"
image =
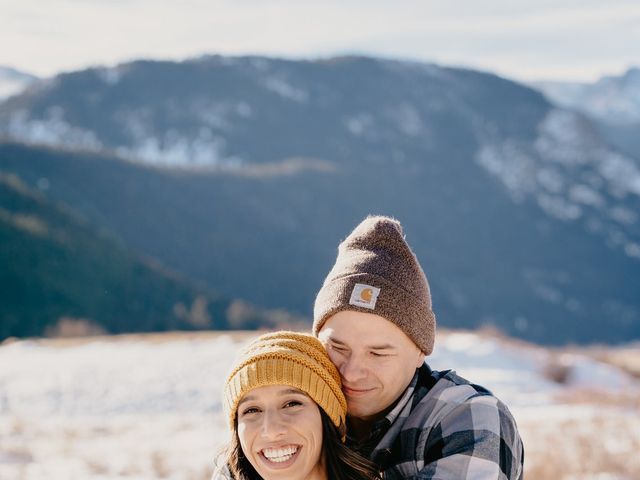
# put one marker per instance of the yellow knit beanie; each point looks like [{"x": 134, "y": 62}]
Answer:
[{"x": 287, "y": 358}]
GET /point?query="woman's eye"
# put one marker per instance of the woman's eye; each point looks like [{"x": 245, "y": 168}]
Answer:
[
  {"x": 250, "y": 410},
  {"x": 376, "y": 354},
  {"x": 292, "y": 403}
]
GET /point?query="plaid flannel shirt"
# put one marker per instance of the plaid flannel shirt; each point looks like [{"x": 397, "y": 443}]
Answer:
[{"x": 445, "y": 428}]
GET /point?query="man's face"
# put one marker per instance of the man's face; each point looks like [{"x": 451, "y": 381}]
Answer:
[{"x": 375, "y": 358}]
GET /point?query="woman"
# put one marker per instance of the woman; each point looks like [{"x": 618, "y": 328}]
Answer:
[{"x": 287, "y": 413}]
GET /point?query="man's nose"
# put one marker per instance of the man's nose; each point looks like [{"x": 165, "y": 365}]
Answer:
[
  {"x": 352, "y": 370},
  {"x": 273, "y": 426}
]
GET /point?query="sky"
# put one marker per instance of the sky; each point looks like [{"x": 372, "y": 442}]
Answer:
[{"x": 572, "y": 40}]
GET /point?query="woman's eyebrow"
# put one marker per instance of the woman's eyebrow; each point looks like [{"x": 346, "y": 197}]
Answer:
[
  {"x": 292, "y": 391},
  {"x": 247, "y": 398},
  {"x": 289, "y": 391}
]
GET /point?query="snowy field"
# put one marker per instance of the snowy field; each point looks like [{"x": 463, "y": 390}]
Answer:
[{"x": 147, "y": 407}]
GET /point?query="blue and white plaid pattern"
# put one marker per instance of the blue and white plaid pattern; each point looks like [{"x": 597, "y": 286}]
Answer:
[{"x": 446, "y": 428}]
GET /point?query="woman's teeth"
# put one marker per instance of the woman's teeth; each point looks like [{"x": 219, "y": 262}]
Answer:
[{"x": 279, "y": 455}]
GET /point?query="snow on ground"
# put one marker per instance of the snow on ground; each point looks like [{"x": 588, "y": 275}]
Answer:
[{"x": 143, "y": 407}]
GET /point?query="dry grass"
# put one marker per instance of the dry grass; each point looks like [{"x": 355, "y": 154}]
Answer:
[
  {"x": 17, "y": 455},
  {"x": 17, "y": 426},
  {"x": 601, "y": 398},
  {"x": 557, "y": 369},
  {"x": 130, "y": 470},
  {"x": 626, "y": 358},
  {"x": 97, "y": 467},
  {"x": 582, "y": 449},
  {"x": 159, "y": 465},
  {"x": 69, "y": 327}
]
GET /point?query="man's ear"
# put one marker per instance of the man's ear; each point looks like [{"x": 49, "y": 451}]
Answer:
[{"x": 420, "y": 359}]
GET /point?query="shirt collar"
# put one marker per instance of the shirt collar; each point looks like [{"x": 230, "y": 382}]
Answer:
[
  {"x": 404, "y": 399},
  {"x": 390, "y": 417}
]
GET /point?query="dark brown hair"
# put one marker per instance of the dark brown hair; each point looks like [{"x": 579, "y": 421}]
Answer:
[{"x": 341, "y": 463}]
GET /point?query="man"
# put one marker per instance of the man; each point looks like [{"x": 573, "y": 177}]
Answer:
[{"x": 373, "y": 315}]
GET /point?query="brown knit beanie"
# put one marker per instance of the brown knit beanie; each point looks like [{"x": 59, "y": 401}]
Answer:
[
  {"x": 376, "y": 272},
  {"x": 286, "y": 358}
]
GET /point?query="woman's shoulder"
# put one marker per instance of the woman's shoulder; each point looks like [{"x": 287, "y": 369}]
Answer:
[{"x": 221, "y": 469}]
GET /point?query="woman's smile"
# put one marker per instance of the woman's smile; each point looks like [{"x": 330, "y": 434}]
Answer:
[{"x": 281, "y": 457}]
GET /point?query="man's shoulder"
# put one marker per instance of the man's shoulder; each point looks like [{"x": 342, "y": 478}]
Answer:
[
  {"x": 447, "y": 385},
  {"x": 439, "y": 394},
  {"x": 446, "y": 417}
]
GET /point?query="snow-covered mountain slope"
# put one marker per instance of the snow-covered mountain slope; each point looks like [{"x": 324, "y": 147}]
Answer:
[
  {"x": 612, "y": 103},
  {"x": 229, "y": 111},
  {"x": 573, "y": 175},
  {"x": 580, "y": 173},
  {"x": 143, "y": 407},
  {"x": 13, "y": 82},
  {"x": 615, "y": 99}
]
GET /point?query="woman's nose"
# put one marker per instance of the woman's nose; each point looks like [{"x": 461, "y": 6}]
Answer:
[{"x": 273, "y": 425}]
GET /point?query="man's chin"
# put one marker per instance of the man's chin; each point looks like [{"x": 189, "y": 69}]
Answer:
[{"x": 360, "y": 410}]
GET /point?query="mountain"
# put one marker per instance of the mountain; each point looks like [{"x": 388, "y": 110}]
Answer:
[
  {"x": 13, "y": 81},
  {"x": 613, "y": 103},
  {"x": 244, "y": 174},
  {"x": 615, "y": 99},
  {"x": 59, "y": 275},
  {"x": 219, "y": 111}
]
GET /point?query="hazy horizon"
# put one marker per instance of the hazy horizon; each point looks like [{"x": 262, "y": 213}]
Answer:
[{"x": 528, "y": 41}]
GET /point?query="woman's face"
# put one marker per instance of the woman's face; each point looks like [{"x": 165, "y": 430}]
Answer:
[{"x": 280, "y": 432}]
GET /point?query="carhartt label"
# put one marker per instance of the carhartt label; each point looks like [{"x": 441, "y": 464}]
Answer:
[{"x": 364, "y": 296}]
